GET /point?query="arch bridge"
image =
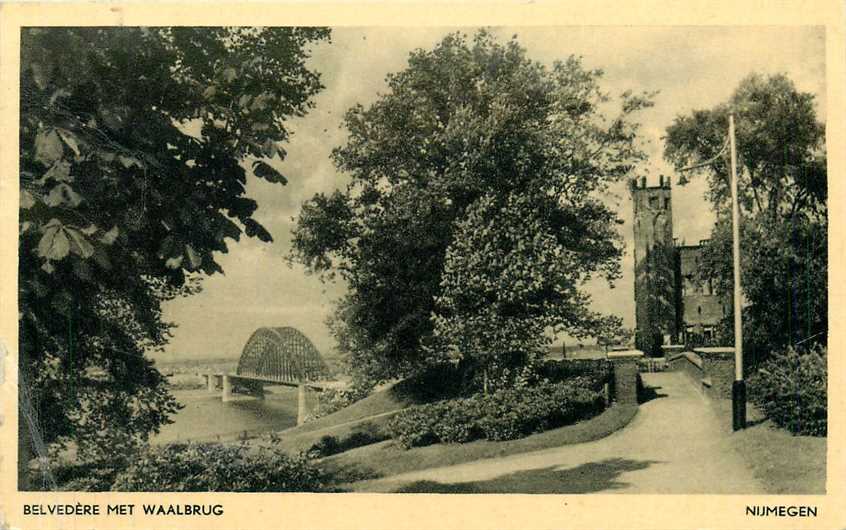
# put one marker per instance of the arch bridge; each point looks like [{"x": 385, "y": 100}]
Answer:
[
  {"x": 274, "y": 356},
  {"x": 281, "y": 355}
]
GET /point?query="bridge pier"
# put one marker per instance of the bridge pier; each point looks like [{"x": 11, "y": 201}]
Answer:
[
  {"x": 227, "y": 388},
  {"x": 302, "y": 411}
]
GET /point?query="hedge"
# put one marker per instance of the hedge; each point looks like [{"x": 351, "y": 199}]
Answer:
[
  {"x": 218, "y": 467},
  {"x": 502, "y": 415}
]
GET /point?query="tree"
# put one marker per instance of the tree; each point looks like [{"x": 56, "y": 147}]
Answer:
[
  {"x": 132, "y": 146},
  {"x": 467, "y": 120},
  {"x": 782, "y": 187},
  {"x": 511, "y": 273}
]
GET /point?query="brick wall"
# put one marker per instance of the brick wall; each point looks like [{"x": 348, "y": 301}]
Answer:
[
  {"x": 709, "y": 369},
  {"x": 625, "y": 375},
  {"x": 718, "y": 366}
]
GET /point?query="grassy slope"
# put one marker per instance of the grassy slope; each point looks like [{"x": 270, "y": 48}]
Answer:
[
  {"x": 784, "y": 463},
  {"x": 370, "y": 414},
  {"x": 385, "y": 459},
  {"x": 377, "y": 403},
  {"x": 434, "y": 385}
]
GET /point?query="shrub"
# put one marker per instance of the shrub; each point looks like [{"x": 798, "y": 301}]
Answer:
[
  {"x": 218, "y": 467},
  {"x": 595, "y": 371},
  {"x": 365, "y": 434},
  {"x": 325, "y": 446},
  {"x": 332, "y": 400},
  {"x": 503, "y": 415},
  {"x": 85, "y": 476},
  {"x": 455, "y": 421},
  {"x": 790, "y": 388},
  {"x": 415, "y": 426}
]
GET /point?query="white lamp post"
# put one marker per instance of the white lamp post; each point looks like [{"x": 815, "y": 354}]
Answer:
[{"x": 738, "y": 388}]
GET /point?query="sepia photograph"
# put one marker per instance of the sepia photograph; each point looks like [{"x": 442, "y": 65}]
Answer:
[
  {"x": 560, "y": 260},
  {"x": 487, "y": 260}
]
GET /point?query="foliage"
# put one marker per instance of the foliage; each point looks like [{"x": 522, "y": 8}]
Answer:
[
  {"x": 782, "y": 194},
  {"x": 790, "y": 389},
  {"x": 655, "y": 301},
  {"x": 332, "y": 400},
  {"x": 133, "y": 143},
  {"x": 218, "y": 467},
  {"x": 469, "y": 126},
  {"x": 328, "y": 445},
  {"x": 590, "y": 373},
  {"x": 512, "y": 271},
  {"x": 780, "y": 148},
  {"x": 505, "y": 414},
  {"x": 784, "y": 274},
  {"x": 615, "y": 336}
]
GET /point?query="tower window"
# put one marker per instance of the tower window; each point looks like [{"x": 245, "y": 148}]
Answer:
[
  {"x": 699, "y": 310},
  {"x": 666, "y": 203},
  {"x": 653, "y": 202}
]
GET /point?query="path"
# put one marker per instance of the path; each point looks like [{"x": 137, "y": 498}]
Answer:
[{"x": 674, "y": 445}]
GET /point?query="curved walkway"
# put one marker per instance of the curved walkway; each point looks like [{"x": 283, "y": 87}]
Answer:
[{"x": 674, "y": 445}]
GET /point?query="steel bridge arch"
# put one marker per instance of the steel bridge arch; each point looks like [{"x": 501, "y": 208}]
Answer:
[{"x": 282, "y": 354}]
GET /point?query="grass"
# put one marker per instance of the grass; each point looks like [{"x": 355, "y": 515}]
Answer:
[
  {"x": 386, "y": 459},
  {"x": 435, "y": 384},
  {"x": 293, "y": 441},
  {"x": 784, "y": 463},
  {"x": 380, "y": 402}
]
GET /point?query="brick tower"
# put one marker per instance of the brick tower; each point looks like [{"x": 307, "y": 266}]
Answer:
[{"x": 655, "y": 266}]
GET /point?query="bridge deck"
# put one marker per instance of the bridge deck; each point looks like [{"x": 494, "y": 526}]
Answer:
[{"x": 318, "y": 385}]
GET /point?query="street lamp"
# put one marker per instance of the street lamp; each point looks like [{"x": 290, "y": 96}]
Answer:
[{"x": 738, "y": 388}]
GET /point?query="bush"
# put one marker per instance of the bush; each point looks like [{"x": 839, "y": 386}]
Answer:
[
  {"x": 365, "y": 434},
  {"x": 790, "y": 389},
  {"x": 325, "y": 446},
  {"x": 332, "y": 400},
  {"x": 85, "y": 476},
  {"x": 455, "y": 421},
  {"x": 218, "y": 467},
  {"x": 415, "y": 426},
  {"x": 596, "y": 371},
  {"x": 503, "y": 415}
]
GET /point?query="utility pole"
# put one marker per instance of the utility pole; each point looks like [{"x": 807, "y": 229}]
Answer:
[{"x": 738, "y": 388}]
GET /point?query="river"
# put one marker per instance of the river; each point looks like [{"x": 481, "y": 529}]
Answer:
[{"x": 206, "y": 418}]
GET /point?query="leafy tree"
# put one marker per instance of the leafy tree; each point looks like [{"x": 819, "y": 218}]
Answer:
[
  {"x": 782, "y": 188},
  {"x": 470, "y": 120},
  {"x": 133, "y": 143},
  {"x": 512, "y": 272}
]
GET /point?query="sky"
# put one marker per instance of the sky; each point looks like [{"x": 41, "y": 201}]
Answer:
[{"x": 690, "y": 67}]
